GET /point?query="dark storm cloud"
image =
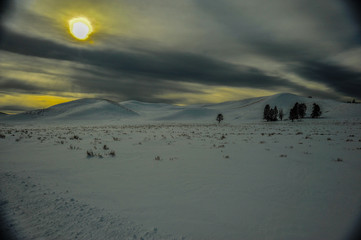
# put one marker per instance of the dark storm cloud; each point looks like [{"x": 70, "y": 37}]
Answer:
[
  {"x": 260, "y": 30},
  {"x": 325, "y": 30},
  {"x": 355, "y": 9},
  {"x": 15, "y": 108},
  {"x": 26, "y": 45},
  {"x": 337, "y": 77},
  {"x": 18, "y": 86},
  {"x": 285, "y": 30},
  {"x": 151, "y": 65},
  {"x": 5, "y": 7},
  {"x": 123, "y": 88},
  {"x": 13, "y": 84}
]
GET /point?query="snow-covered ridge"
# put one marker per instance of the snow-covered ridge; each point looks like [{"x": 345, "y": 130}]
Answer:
[
  {"x": 234, "y": 111},
  {"x": 82, "y": 109}
]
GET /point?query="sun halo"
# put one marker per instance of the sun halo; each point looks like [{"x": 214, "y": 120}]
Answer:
[{"x": 80, "y": 28}]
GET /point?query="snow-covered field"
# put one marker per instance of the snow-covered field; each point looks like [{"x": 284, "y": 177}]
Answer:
[{"x": 242, "y": 179}]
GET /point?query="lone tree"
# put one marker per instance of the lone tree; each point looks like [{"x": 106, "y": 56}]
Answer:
[
  {"x": 219, "y": 118},
  {"x": 316, "y": 111},
  {"x": 280, "y": 114}
]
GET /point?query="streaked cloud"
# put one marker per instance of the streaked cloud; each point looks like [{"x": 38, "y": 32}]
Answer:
[{"x": 160, "y": 51}]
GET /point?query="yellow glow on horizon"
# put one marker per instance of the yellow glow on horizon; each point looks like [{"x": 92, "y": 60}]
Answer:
[
  {"x": 80, "y": 28},
  {"x": 30, "y": 101}
]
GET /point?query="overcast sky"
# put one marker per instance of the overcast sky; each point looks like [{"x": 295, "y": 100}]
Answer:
[{"x": 180, "y": 52}]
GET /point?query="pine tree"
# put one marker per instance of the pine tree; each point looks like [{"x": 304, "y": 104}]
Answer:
[
  {"x": 302, "y": 110},
  {"x": 294, "y": 112},
  {"x": 316, "y": 111},
  {"x": 271, "y": 114},
  {"x": 275, "y": 114},
  {"x": 266, "y": 112},
  {"x": 280, "y": 114}
]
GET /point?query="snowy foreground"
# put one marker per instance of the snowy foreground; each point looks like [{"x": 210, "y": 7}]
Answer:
[{"x": 260, "y": 180}]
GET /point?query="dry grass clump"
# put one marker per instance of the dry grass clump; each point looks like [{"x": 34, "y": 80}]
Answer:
[{"x": 339, "y": 160}]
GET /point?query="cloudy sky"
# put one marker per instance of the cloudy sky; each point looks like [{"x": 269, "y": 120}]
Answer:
[{"x": 180, "y": 52}]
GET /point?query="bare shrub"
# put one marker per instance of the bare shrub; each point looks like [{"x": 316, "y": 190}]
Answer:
[
  {"x": 71, "y": 147},
  {"x": 75, "y": 137},
  {"x": 90, "y": 153},
  {"x": 112, "y": 153}
]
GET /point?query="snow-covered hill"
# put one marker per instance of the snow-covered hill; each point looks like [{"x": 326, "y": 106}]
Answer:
[
  {"x": 82, "y": 109},
  {"x": 252, "y": 109},
  {"x": 247, "y": 110}
]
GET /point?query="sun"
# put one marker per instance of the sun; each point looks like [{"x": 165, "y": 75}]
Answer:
[{"x": 80, "y": 28}]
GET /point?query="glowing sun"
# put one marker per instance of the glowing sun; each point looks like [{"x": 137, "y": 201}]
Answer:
[{"x": 80, "y": 28}]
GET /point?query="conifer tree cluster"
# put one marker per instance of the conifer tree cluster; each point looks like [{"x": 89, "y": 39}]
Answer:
[
  {"x": 298, "y": 111},
  {"x": 272, "y": 114}
]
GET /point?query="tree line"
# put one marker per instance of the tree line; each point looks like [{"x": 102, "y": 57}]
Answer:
[
  {"x": 297, "y": 112},
  {"x": 273, "y": 114}
]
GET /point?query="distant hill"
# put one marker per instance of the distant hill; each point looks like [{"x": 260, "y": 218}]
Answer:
[
  {"x": 82, "y": 109},
  {"x": 234, "y": 112}
]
